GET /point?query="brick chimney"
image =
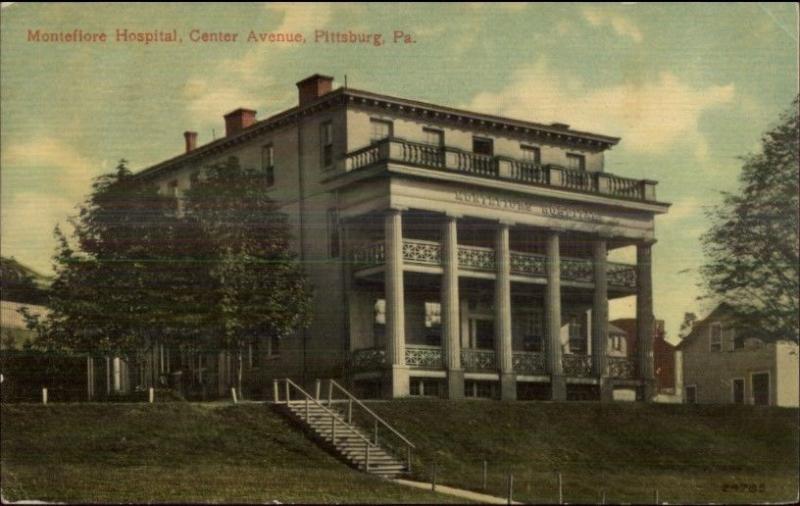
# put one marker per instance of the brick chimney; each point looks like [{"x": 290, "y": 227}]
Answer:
[
  {"x": 238, "y": 120},
  {"x": 191, "y": 140},
  {"x": 311, "y": 88}
]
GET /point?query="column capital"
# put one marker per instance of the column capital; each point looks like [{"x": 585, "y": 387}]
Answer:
[
  {"x": 506, "y": 223},
  {"x": 454, "y": 215},
  {"x": 395, "y": 209}
]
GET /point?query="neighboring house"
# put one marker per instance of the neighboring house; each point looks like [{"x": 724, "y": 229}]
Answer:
[
  {"x": 454, "y": 253},
  {"x": 724, "y": 365},
  {"x": 665, "y": 358},
  {"x": 13, "y": 330}
]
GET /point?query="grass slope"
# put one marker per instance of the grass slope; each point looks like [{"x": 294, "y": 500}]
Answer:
[
  {"x": 174, "y": 452},
  {"x": 691, "y": 454}
]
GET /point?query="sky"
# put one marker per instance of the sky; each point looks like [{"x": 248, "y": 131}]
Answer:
[{"x": 690, "y": 89}]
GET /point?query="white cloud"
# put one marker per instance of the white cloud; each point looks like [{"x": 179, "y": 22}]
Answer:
[
  {"x": 622, "y": 25},
  {"x": 52, "y": 159},
  {"x": 301, "y": 17},
  {"x": 650, "y": 117}
]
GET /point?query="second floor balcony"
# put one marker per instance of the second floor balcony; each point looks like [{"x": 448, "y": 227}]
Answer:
[
  {"x": 479, "y": 259},
  {"x": 450, "y": 159}
]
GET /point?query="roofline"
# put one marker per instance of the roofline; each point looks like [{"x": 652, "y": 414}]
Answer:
[{"x": 287, "y": 116}]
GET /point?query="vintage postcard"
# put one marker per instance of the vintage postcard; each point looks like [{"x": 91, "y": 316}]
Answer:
[{"x": 399, "y": 253}]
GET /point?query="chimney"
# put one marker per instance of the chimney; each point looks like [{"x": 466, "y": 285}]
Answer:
[
  {"x": 191, "y": 140},
  {"x": 238, "y": 120},
  {"x": 311, "y": 88}
]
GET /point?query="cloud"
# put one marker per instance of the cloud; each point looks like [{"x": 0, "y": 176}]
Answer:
[
  {"x": 301, "y": 17},
  {"x": 651, "y": 117},
  {"x": 506, "y": 6},
  {"x": 621, "y": 24},
  {"x": 53, "y": 160}
]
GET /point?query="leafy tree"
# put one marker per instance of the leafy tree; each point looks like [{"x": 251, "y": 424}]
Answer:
[
  {"x": 689, "y": 319},
  {"x": 752, "y": 246},
  {"x": 137, "y": 278},
  {"x": 262, "y": 292}
]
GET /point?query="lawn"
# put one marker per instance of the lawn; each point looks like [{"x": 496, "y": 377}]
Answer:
[
  {"x": 627, "y": 451},
  {"x": 175, "y": 452}
]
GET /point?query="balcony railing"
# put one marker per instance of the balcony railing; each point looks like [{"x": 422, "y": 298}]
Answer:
[
  {"x": 474, "y": 258},
  {"x": 424, "y": 357},
  {"x": 525, "y": 362},
  {"x": 478, "y": 360},
  {"x": 498, "y": 167}
]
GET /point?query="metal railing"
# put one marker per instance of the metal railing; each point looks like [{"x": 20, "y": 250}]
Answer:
[
  {"x": 333, "y": 386},
  {"x": 334, "y": 417}
]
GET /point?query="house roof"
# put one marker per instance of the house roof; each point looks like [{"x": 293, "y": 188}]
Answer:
[
  {"x": 555, "y": 132},
  {"x": 721, "y": 309}
]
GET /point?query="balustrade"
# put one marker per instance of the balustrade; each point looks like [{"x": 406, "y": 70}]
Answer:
[
  {"x": 621, "y": 367},
  {"x": 424, "y": 357},
  {"x": 478, "y": 360},
  {"x": 525, "y": 362},
  {"x": 577, "y": 366}
]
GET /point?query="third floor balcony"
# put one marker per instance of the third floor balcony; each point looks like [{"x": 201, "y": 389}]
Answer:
[{"x": 450, "y": 159}]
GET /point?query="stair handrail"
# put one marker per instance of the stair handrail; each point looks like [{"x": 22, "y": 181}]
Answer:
[
  {"x": 372, "y": 413},
  {"x": 328, "y": 411}
]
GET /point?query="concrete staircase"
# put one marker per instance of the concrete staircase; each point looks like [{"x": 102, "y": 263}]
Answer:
[{"x": 336, "y": 430}]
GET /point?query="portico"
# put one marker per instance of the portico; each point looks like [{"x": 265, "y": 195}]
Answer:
[{"x": 489, "y": 307}]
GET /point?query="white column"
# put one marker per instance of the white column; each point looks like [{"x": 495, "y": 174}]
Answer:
[
  {"x": 395, "y": 303},
  {"x": 600, "y": 308},
  {"x": 644, "y": 318},
  {"x": 502, "y": 311},
  {"x": 451, "y": 320},
  {"x": 553, "y": 311}
]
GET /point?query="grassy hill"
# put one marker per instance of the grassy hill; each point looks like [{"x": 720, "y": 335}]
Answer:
[
  {"x": 186, "y": 452},
  {"x": 177, "y": 452},
  {"x": 690, "y": 453}
]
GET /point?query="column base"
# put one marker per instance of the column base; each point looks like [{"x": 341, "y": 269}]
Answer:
[
  {"x": 396, "y": 383},
  {"x": 558, "y": 388},
  {"x": 455, "y": 384},
  {"x": 647, "y": 392},
  {"x": 606, "y": 386},
  {"x": 508, "y": 386}
]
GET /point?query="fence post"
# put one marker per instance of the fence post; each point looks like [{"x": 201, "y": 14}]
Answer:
[
  {"x": 350, "y": 411},
  {"x": 317, "y": 388},
  {"x": 433, "y": 480},
  {"x": 233, "y": 395},
  {"x": 44, "y": 396},
  {"x": 287, "y": 392},
  {"x": 376, "y": 432},
  {"x": 560, "y": 489},
  {"x": 151, "y": 395},
  {"x": 366, "y": 458},
  {"x": 275, "y": 391},
  {"x": 603, "y": 497},
  {"x": 306, "y": 409},
  {"x": 333, "y": 429},
  {"x": 510, "y": 487},
  {"x": 656, "y": 496},
  {"x": 485, "y": 473},
  {"x": 408, "y": 457},
  {"x": 330, "y": 392}
]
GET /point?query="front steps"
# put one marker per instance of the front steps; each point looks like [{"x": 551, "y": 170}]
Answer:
[{"x": 350, "y": 442}]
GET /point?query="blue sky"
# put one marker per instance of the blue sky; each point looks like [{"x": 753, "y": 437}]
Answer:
[{"x": 689, "y": 88}]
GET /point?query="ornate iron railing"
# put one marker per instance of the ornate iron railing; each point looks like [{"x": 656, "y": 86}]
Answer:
[
  {"x": 458, "y": 160},
  {"x": 422, "y": 252},
  {"x": 623, "y": 275},
  {"x": 476, "y": 258},
  {"x": 577, "y": 366},
  {"x": 424, "y": 357},
  {"x": 621, "y": 367},
  {"x": 525, "y": 362},
  {"x": 478, "y": 360},
  {"x": 528, "y": 264},
  {"x": 368, "y": 359}
]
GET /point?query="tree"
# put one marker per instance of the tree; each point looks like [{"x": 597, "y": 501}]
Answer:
[
  {"x": 752, "y": 245},
  {"x": 138, "y": 277},
  {"x": 689, "y": 319},
  {"x": 262, "y": 292}
]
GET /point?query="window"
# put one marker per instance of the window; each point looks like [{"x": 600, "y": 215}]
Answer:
[
  {"x": 533, "y": 340},
  {"x": 433, "y": 137},
  {"x": 715, "y": 337},
  {"x": 482, "y": 146},
  {"x": 326, "y": 144},
  {"x": 480, "y": 389},
  {"x": 333, "y": 233},
  {"x": 194, "y": 178},
  {"x": 576, "y": 162},
  {"x": 760, "y": 388},
  {"x": 738, "y": 341},
  {"x": 379, "y": 129},
  {"x": 379, "y": 322},
  {"x": 531, "y": 154},
  {"x": 433, "y": 323},
  {"x": 691, "y": 394},
  {"x": 617, "y": 341},
  {"x": 172, "y": 188},
  {"x": 738, "y": 391},
  {"x": 273, "y": 346},
  {"x": 268, "y": 163},
  {"x": 424, "y": 387},
  {"x": 577, "y": 341}
]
